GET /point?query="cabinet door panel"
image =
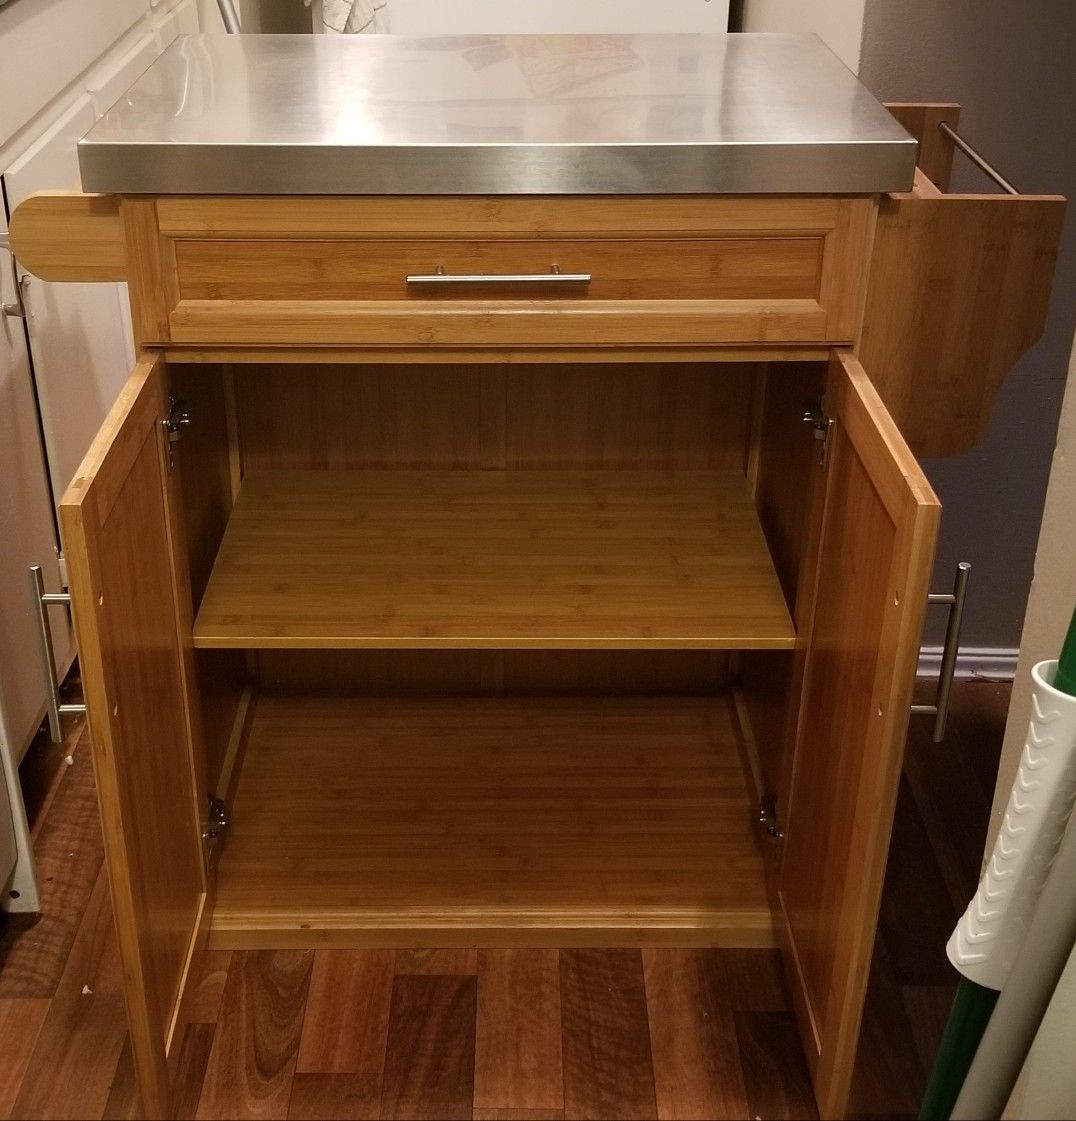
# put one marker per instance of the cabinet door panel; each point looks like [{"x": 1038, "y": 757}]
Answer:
[
  {"x": 118, "y": 532},
  {"x": 879, "y": 524}
]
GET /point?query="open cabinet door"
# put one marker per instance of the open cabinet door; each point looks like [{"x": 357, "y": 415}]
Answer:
[
  {"x": 878, "y": 527},
  {"x": 118, "y": 528}
]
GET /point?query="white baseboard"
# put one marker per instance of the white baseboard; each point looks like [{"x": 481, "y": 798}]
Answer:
[{"x": 991, "y": 663}]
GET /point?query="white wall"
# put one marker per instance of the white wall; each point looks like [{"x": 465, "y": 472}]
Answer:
[
  {"x": 1047, "y": 1088},
  {"x": 839, "y": 23}
]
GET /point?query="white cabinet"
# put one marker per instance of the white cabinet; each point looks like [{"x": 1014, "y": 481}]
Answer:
[
  {"x": 62, "y": 64},
  {"x": 78, "y": 333},
  {"x": 28, "y": 537},
  {"x": 546, "y": 17},
  {"x": 46, "y": 44},
  {"x": 182, "y": 20}
]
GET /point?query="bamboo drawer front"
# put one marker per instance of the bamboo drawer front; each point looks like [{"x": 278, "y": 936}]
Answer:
[{"x": 334, "y": 271}]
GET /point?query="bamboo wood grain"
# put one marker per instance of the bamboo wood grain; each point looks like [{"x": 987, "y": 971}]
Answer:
[
  {"x": 877, "y": 544},
  {"x": 480, "y": 355},
  {"x": 921, "y": 119},
  {"x": 584, "y": 817},
  {"x": 330, "y": 271},
  {"x": 621, "y": 268},
  {"x": 288, "y": 321},
  {"x": 664, "y": 415},
  {"x": 496, "y": 559},
  {"x": 148, "y": 284},
  {"x": 68, "y": 236},
  {"x": 118, "y": 526},
  {"x": 536, "y": 216},
  {"x": 959, "y": 289}
]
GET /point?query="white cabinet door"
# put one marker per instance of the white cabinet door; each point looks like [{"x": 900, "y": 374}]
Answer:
[
  {"x": 79, "y": 335},
  {"x": 110, "y": 81},
  {"x": 551, "y": 17},
  {"x": 54, "y": 41},
  {"x": 28, "y": 536},
  {"x": 182, "y": 20}
]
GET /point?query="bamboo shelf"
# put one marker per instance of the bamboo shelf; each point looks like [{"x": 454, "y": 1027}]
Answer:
[
  {"x": 532, "y": 821},
  {"x": 494, "y": 559}
]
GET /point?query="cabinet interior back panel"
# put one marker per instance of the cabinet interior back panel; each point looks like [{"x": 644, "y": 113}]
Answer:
[{"x": 692, "y": 416}]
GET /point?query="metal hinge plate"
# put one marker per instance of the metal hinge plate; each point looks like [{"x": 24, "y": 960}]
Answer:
[
  {"x": 177, "y": 418},
  {"x": 822, "y": 424},
  {"x": 216, "y": 823},
  {"x": 767, "y": 817}
]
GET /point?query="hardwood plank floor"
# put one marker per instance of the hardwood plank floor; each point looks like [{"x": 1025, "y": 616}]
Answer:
[
  {"x": 347, "y": 1021},
  {"x": 256, "y": 1044},
  {"x": 697, "y": 1070},
  {"x": 608, "y": 1071},
  {"x": 518, "y": 1032},
  {"x": 479, "y": 1034},
  {"x": 429, "y": 1061}
]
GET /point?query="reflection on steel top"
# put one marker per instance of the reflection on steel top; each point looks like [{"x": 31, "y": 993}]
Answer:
[{"x": 497, "y": 114}]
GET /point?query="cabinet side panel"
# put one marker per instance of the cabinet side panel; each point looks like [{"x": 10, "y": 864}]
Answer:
[
  {"x": 786, "y": 477},
  {"x": 204, "y": 478},
  {"x": 959, "y": 288}
]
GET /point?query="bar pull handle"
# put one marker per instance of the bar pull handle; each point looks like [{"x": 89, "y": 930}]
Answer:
[
  {"x": 439, "y": 277},
  {"x": 954, "y": 600},
  {"x": 15, "y": 309},
  {"x": 42, "y": 601},
  {"x": 987, "y": 169}
]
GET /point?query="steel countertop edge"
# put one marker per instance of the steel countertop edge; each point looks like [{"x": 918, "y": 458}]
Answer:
[{"x": 497, "y": 115}]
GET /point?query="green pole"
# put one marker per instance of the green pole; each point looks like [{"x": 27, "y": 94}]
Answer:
[
  {"x": 967, "y": 1021},
  {"x": 1065, "y": 681},
  {"x": 974, "y": 1003}
]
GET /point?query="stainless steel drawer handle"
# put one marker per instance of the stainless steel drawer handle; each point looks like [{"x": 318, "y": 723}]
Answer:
[
  {"x": 554, "y": 276},
  {"x": 954, "y": 600},
  {"x": 43, "y": 600},
  {"x": 17, "y": 308}
]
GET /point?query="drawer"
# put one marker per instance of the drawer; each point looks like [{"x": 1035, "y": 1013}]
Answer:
[{"x": 498, "y": 272}]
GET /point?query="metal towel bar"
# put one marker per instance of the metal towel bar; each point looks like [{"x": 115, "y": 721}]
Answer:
[{"x": 987, "y": 169}]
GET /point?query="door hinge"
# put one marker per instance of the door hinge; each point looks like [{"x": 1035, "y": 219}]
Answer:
[
  {"x": 177, "y": 418},
  {"x": 216, "y": 823},
  {"x": 767, "y": 817},
  {"x": 822, "y": 424},
  {"x": 61, "y": 565}
]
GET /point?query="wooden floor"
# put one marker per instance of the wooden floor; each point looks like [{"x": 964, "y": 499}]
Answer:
[
  {"x": 497, "y": 1034},
  {"x": 516, "y": 821}
]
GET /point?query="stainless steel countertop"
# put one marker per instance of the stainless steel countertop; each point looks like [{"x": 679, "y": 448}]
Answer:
[{"x": 497, "y": 114}]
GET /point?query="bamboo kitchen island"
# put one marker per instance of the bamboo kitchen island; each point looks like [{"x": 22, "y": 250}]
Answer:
[{"x": 512, "y": 531}]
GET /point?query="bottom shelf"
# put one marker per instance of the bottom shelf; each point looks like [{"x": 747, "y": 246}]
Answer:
[{"x": 491, "y": 821}]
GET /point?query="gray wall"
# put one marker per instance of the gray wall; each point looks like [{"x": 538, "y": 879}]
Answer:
[{"x": 1012, "y": 67}]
